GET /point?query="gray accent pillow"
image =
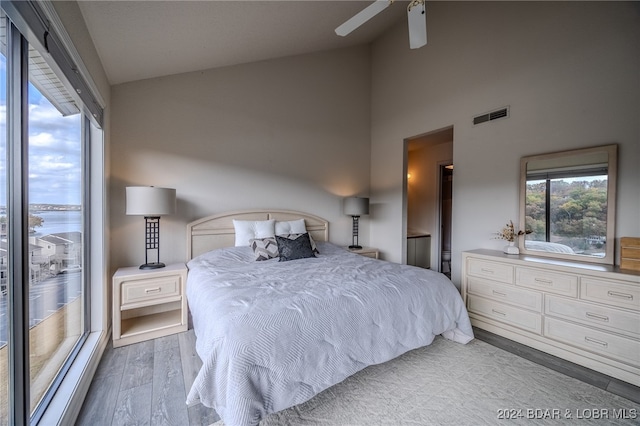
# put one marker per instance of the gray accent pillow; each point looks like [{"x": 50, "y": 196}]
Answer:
[
  {"x": 292, "y": 249},
  {"x": 294, "y": 236}
]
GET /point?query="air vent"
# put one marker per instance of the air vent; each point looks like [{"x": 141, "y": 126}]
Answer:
[{"x": 490, "y": 116}]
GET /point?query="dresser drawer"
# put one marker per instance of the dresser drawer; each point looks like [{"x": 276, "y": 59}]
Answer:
[
  {"x": 500, "y": 312},
  {"x": 599, "y": 342},
  {"x": 506, "y": 293},
  {"x": 147, "y": 290},
  {"x": 490, "y": 270},
  {"x": 615, "y": 294},
  {"x": 623, "y": 322},
  {"x": 552, "y": 282}
]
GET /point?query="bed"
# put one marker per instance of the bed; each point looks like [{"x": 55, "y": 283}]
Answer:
[{"x": 272, "y": 334}]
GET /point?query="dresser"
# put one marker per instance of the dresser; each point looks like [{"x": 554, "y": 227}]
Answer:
[{"x": 585, "y": 313}]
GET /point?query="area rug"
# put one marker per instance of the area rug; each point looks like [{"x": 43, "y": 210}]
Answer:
[{"x": 451, "y": 384}]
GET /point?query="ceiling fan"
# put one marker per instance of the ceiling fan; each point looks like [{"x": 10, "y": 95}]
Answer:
[{"x": 416, "y": 12}]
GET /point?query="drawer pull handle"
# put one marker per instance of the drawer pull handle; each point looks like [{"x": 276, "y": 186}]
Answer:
[
  {"x": 499, "y": 312},
  {"x": 497, "y": 293},
  {"x": 488, "y": 271},
  {"x": 620, "y": 295},
  {"x": 543, "y": 281},
  {"x": 597, "y": 342},
  {"x": 152, "y": 290},
  {"x": 598, "y": 317}
]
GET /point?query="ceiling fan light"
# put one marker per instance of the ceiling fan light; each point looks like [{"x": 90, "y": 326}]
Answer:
[{"x": 417, "y": 16}]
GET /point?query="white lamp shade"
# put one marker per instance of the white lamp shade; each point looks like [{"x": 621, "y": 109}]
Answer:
[
  {"x": 356, "y": 206},
  {"x": 150, "y": 201}
]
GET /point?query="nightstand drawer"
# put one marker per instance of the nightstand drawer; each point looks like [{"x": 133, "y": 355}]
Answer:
[
  {"x": 366, "y": 252},
  {"x": 506, "y": 293},
  {"x": 553, "y": 282},
  {"x": 607, "y": 344},
  {"x": 371, "y": 254},
  {"x": 144, "y": 290},
  {"x": 490, "y": 270},
  {"x": 513, "y": 316}
]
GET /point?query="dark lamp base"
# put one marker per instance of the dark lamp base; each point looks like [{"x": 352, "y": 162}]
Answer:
[
  {"x": 355, "y": 247},
  {"x": 156, "y": 265}
]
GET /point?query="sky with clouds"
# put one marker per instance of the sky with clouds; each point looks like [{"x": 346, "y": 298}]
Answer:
[{"x": 55, "y": 153}]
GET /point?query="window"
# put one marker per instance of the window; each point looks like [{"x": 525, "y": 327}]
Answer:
[
  {"x": 55, "y": 187},
  {"x": 45, "y": 213}
]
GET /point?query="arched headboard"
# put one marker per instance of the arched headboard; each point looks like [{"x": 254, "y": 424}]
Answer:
[{"x": 217, "y": 231}]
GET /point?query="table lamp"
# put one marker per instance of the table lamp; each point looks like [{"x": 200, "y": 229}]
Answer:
[
  {"x": 151, "y": 202},
  {"x": 355, "y": 207}
]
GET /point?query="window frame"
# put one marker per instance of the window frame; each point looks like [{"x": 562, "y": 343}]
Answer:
[
  {"x": 64, "y": 398},
  {"x": 17, "y": 166}
]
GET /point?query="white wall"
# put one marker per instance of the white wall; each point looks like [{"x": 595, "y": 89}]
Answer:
[
  {"x": 290, "y": 133},
  {"x": 569, "y": 72}
]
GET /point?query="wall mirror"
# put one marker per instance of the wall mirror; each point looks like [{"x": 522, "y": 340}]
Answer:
[{"x": 567, "y": 203}]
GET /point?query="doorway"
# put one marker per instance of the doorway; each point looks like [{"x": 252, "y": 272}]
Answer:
[
  {"x": 445, "y": 201},
  {"x": 427, "y": 198}
]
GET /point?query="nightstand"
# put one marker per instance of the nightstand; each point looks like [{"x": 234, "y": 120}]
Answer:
[
  {"x": 148, "y": 303},
  {"x": 366, "y": 251}
]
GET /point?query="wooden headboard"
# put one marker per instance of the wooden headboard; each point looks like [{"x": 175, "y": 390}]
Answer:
[{"x": 217, "y": 231}]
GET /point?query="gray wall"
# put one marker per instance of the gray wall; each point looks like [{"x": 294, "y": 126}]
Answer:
[
  {"x": 306, "y": 131},
  {"x": 569, "y": 72},
  {"x": 290, "y": 133}
]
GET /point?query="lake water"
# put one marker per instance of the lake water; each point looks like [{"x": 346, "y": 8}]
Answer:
[{"x": 58, "y": 221}]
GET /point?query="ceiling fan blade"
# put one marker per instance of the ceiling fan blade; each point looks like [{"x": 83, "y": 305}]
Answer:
[
  {"x": 363, "y": 16},
  {"x": 417, "y": 26}
]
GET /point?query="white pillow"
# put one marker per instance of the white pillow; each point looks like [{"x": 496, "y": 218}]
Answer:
[
  {"x": 249, "y": 229},
  {"x": 291, "y": 227}
]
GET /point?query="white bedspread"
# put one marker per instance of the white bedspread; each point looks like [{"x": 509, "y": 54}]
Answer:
[{"x": 274, "y": 334}]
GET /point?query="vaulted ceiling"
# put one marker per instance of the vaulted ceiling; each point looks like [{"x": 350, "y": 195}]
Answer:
[{"x": 144, "y": 39}]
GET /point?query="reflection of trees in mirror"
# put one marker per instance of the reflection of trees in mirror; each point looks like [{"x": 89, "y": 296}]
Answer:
[{"x": 577, "y": 216}]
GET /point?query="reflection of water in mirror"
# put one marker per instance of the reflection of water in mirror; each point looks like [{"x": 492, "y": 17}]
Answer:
[{"x": 566, "y": 203}]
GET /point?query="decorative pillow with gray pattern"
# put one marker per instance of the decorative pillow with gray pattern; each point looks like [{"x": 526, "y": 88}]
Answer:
[
  {"x": 294, "y": 236},
  {"x": 267, "y": 248},
  {"x": 292, "y": 249}
]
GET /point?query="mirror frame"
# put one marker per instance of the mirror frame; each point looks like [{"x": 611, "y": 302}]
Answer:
[{"x": 612, "y": 156}]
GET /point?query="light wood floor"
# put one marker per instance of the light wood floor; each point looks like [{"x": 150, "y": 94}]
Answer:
[{"x": 146, "y": 384}]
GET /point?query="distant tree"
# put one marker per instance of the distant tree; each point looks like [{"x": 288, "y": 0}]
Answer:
[{"x": 34, "y": 221}]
